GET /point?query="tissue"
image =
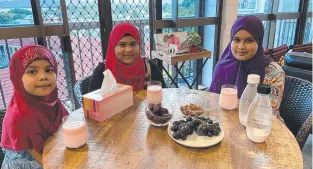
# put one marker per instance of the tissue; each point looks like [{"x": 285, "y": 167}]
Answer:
[{"x": 108, "y": 84}]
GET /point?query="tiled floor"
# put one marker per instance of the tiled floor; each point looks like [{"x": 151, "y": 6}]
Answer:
[{"x": 307, "y": 154}]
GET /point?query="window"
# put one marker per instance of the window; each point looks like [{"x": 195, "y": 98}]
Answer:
[
  {"x": 166, "y": 9},
  {"x": 266, "y": 33},
  {"x": 15, "y": 12},
  {"x": 254, "y": 6},
  {"x": 2, "y": 50},
  {"x": 285, "y": 32},
  {"x": 289, "y": 5},
  {"x": 11, "y": 51},
  {"x": 186, "y": 8},
  {"x": 51, "y": 11},
  {"x": 308, "y": 31}
]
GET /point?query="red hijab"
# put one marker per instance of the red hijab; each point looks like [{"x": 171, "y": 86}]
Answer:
[
  {"x": 30, "y": 120},
  {"x": 133, "y": 74}
]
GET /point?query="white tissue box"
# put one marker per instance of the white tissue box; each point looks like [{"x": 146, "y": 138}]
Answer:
[{"x": 100, "y": 107}]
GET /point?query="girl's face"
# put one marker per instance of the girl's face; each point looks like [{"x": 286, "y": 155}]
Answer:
[
  {"x": 39, "y": 78},
  {"x": 243, "y": 45},
  {"x": 127, "y": 50}
]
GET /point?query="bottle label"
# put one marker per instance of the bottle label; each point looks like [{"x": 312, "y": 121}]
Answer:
[
  {"x": 259, "y": 118},
  {"x": 256, "y": 123}
]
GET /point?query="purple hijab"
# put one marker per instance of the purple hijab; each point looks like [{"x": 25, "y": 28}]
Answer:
[{"x": 229, "y": 70}]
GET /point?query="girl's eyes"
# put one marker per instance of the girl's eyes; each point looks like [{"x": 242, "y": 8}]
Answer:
[
  {"x": 236, "y": 40},
  {"x": 134, "y": 44},
  {"x": 249, "y": 40},
  {"x": 50, "y": 70},
  {"x": 31, "y": 71}
]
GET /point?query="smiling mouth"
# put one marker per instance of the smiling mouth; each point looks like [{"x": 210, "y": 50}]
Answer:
[
  {"x": 44, "y": 86},
  {"x": 242, "y": 53}
]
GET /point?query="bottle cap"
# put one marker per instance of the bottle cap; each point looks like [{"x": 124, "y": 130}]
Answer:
[
  {"x": 253, "y": 79},
  {"x": 264, "y": 89}
]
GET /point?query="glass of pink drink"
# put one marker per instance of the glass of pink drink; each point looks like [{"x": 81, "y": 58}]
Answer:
[
  {"x": 74, "y": 131},
  {"x": 154, "y": 92},
  {"x": 228, "y": 98}
]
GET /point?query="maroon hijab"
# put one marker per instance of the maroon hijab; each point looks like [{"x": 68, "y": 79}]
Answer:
[
  {"x": 30, "y": 120},
  {"x": 133, "y": 74}
]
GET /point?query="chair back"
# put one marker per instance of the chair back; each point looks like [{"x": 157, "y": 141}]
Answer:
[
  {"x": 2, "y": 113},
  {"x": 81, "y": 88},
  {"x": 296, "y": 104}
]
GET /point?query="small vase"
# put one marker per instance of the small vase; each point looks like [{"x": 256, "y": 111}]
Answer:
[{"x": 193, "y": 49}]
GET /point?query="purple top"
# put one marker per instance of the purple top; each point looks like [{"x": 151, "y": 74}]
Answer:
[{"x": 229, "y": 70}]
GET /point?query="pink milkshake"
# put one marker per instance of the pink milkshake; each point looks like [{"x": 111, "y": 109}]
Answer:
[
  {"x": 74, "y": 133},
  {"x": 154, "y": 92},
  {"x": 228, "y": 97}
]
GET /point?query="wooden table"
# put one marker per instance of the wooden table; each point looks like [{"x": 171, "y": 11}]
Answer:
[
  {"x": 174, "y": 59},
  {"x": 128, "y": 141}
]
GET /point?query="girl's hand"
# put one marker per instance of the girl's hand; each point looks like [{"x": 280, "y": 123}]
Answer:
[{"x": 35, "y": 155}]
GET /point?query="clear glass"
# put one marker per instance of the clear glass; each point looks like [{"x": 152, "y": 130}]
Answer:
[
  {"x": 266, "y": 33},
  {"x": 254, "y": 6},
  {"x": 192, "y": 104},
  {"x": 210, "y": 8},
  {"x": 289, "y": 5},
  {"x": 259, "y": 122},
  {"x": 228, "y": 97},
  {"x": 285, "y": 32},
  {"x": 159, "y": 114},
  {"x": 167, "y": 9},
  {"x": 74, "y": 130},
  {"x": 186, "y": 8},
  {"x": 16, "y": 12},
  {"x": 154, "y": 92},
  {"x": 245, "y": 101},
  {"x": 308, "y": 31}
]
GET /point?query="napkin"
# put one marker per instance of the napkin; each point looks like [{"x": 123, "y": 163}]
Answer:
[{"x": 108, "y": 84}]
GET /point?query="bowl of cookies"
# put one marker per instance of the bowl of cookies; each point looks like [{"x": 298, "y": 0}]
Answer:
[{"x": 192, "y": 105}]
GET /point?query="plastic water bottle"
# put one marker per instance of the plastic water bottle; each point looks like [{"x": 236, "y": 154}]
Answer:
[
  {"x": 247, "y": 97},
  {"x": 259, "y": 122}
]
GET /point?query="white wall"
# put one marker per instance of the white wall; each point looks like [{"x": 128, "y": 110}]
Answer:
[{"x": 229, "y": 16}]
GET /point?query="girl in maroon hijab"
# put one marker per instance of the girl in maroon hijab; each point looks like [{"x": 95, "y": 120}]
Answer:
[
  {"x": 35, "y": 111},
  {"x": 124, "y": 61}
]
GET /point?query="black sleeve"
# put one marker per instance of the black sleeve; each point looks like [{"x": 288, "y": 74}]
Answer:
[
  {"x": 96, "y": 78},
  {"x": 156, "y": 73}
]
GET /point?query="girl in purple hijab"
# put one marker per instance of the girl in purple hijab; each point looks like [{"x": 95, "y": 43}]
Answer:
[{"x": 243, "y": 56}]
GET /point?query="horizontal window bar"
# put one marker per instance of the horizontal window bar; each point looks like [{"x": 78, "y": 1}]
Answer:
[
  {"x": 134, "y": 22},
  {"x": 279, "y": 16},
  {"x": 262, "y": 17},
  {"x": 31, "y": 31},
  {"x": 83, "y": 25},
  {"x": 160, "y": 24}
]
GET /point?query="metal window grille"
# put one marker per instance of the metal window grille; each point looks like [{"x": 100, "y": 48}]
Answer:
[{"x": 136, "y": 13}]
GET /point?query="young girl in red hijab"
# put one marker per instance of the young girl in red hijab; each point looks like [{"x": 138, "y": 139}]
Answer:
[
  {"x": 124, "y": 61},
  {"x": 35, "y": 111}
]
